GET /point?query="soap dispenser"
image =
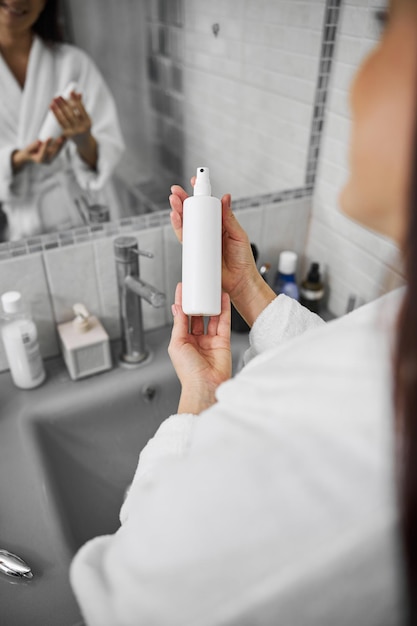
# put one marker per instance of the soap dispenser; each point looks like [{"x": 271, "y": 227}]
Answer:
[
  {"x": 20, "y": 339},
  {"x": 85, "y": 344}
]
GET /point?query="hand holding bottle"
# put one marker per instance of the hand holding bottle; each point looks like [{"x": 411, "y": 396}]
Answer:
[
  {"x": 76, "y": 125},
  {"x": 248, "y": 291},
  {"x": 202, "y": 361}
]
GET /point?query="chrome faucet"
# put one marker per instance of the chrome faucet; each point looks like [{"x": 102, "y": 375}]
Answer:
[{"x": 131, "y": 291}]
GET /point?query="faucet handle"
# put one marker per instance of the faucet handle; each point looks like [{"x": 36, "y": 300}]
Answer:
[
  {"x": 149, "y": 255},
  {"x": 125, "y": 246}
]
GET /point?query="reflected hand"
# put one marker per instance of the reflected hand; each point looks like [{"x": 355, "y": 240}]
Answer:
[
  {"x": 37, "y": 152},
  {"x": 202, "y": 361},
  {"x": 71, "y": 115},
  {"x": 76, "y": 125}
]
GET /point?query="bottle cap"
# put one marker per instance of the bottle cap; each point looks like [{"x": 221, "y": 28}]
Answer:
[
  {"x": 202, "y": 186},
  {"x": 287, "y": 262},
  {"x": 11, "y": 302},
  {"x": 314, "y": 273}
]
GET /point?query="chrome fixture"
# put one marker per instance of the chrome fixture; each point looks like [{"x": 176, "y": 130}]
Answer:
[
  {"x": 13, "y": 565},
  {"x": 131, "y": 291}
]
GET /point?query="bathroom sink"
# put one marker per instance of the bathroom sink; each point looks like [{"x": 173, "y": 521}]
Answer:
[
  {"x": 69, "y": 451},
  {"x": 88, "y": 444}
]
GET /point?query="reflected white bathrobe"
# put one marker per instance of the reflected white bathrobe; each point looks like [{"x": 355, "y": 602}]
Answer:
[
  {"x": 277, "y": 505},
  {"x": 41, "y": 197}
]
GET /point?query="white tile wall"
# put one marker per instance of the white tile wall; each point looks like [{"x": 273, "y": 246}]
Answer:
[
  {"x": 355, "y": 260},
  {"x": 262, "y": 71},
  {"x": 27, "y": 275}
]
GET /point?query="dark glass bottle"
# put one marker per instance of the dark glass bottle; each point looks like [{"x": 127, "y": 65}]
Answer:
[{"x": 312, "y": 289}]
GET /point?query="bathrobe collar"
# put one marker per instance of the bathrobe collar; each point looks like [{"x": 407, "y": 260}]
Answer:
[
  {"x": 26, "y": 108},
  {"x": 37, "y": 93}
]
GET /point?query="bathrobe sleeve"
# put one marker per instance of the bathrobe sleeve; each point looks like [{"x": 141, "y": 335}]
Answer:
[
  {"x": 283, "y": 491},
  {"x": 10, "y": 114},
  {"x": 6, "y": 173},
  {"x": 283, "y": 319}
]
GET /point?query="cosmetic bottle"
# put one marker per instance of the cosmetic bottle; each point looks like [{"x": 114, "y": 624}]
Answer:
[
  {"x": 202, "y": 249},
  {"x": 50, "y": 128},
  {"x": 285, "y": 281},
  {"x": 20, "y": 339},
  {"x": 312, "y": 289}
]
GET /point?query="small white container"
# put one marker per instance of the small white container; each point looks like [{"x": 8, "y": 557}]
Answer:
[
  {"x": 50, "y": 128},
  {"x": 202, "y": 250},
  {"x": 20, "y": 339},
  {"x": 85, "y": 344}
]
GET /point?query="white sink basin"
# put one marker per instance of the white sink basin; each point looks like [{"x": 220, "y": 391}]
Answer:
[{"x": 69, "y": 451}]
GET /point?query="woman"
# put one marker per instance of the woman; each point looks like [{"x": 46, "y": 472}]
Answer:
[
  {"x": 41, "y": 182},
  {"x": 272, "y": 498}
]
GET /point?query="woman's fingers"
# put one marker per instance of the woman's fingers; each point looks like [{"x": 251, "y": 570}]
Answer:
[
  {"x": 71, "y": 114},
  {"x": 42, "y": 155},
  {"x": 180, "y": 327},
  {"x": 177, "y": 190},
  {"x": 196, "y": 325},
  {"x": 220, "y": 324},
  {"x": 176, "y": 200},
  {"x": 62, "y": 112}
]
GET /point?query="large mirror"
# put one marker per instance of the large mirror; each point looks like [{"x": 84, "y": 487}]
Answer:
[{"x": 227, "y": 83}]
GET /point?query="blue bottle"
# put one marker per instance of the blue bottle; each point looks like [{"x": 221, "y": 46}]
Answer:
[{"x": 285, "y": 277}]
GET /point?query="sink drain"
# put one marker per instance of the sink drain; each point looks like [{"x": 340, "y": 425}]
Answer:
[{"x": 148, "y": 393}]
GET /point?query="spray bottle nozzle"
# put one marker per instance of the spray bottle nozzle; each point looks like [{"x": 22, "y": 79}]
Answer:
[{"x": 202, "y": 185}]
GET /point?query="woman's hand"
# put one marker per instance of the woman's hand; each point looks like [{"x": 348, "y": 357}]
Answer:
[
  {"x": 248, "y": 291},
  {"x": 202, "y": 361},
  {"x": 76, "y": 125},
  {"x": 37, "y": 152}
]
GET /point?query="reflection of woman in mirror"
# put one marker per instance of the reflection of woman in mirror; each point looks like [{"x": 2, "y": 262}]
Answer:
[{"x": 41, "y": 182}]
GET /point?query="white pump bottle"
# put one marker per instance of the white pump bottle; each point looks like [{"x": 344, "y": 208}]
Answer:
[
  {"x": 20, "y": 339},
  {"x": 202, "y": 250}
]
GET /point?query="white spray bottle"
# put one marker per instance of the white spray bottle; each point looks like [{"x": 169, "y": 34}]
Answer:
[{"x": 202, "y": 250}]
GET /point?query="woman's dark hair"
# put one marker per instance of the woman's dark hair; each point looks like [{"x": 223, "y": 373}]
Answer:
[
  {"x": 406, "y": 399},
  {"x": 48, "y": 25}
]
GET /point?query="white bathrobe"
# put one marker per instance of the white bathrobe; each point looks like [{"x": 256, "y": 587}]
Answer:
[
  {"x": 41, "y": 198},
  {"x": 276, "y": 506}
]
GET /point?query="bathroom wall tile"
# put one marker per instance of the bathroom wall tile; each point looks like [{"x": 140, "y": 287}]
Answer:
[
  {"x": 272, "y": 46},
  {"x": 172, "y": 266},
  {"x": 284, "y": 228},
  {"x": 354, "y": 21},
  {"x": 355, "y": 260},
  {"x": 27, "y": 275},
  {"x": 354, "y": 270},
  {"x": 107, "y": 286},
  {"x": 72, "y": 277}
]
